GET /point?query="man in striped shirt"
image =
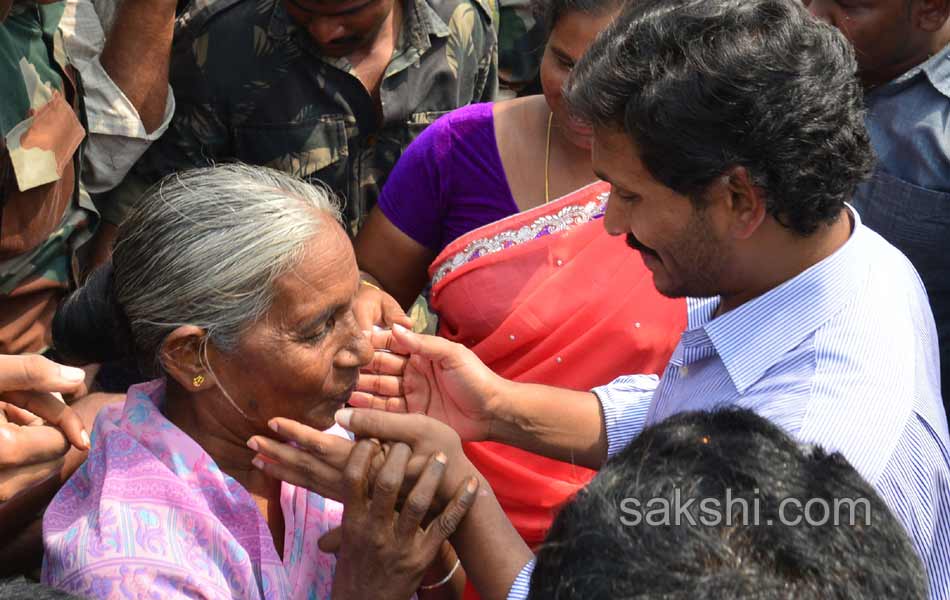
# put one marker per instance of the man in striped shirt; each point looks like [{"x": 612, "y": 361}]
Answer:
[{"x": 732, "y": 134}]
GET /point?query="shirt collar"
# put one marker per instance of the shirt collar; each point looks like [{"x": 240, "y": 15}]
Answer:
[
  {"x": 752, "y": 338},
  {"x": 420, "y": 22},
  {"x": 936, "y": 69}
]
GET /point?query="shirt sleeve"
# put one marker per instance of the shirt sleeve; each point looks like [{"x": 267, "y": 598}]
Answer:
[
  {"x": 521, "y": 586},
  {"x": 625, "y": 402},
  {"x": 487, "y": 79},
  {"x": 915, "y": 484},
  {"x": 117, "y": 137}
]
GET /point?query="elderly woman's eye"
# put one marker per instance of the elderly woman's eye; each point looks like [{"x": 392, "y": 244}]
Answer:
[{"x": 319, "y": 335}]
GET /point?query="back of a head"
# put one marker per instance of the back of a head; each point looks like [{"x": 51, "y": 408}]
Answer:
[
  {"x": 705, "y": 85},
  {"x": 760, "y": 517},
  {"x": 201, "y": 248},
  {"x": 549, "y": 11}
]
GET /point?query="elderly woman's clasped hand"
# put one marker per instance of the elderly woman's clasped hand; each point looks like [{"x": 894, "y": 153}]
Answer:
[
  {"x": 375, "y": 482},
  {"x": 380, "y": 555}
]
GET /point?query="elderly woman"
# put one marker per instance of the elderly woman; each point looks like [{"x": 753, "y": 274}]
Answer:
[{"x": 234, "y": 285}]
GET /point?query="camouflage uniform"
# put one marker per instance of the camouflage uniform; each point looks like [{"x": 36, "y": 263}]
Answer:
[
  {"x": 252, "y": 86},
  {"x": 45, "y": 215},
  {"x": 521, "y": 39}
]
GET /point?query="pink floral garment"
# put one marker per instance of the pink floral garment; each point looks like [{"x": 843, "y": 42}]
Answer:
[{"x": 151, "y": 516}]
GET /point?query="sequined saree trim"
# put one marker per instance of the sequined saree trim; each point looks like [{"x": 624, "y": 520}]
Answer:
[{"x": 570, "y": 216}]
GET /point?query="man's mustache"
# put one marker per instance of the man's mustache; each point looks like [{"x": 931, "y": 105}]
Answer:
[{"x": 634, "y": 243}]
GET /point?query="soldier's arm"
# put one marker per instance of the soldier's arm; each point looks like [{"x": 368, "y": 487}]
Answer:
[
  {"x": 197, "y": 135},
  {"x": 488, "y": 58},
  {"x": 136, "y": 55}
]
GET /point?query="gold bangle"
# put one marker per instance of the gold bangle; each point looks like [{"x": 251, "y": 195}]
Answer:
[
  {"x": 447, "y": 578},
  {"x": 372, "y": 285}
]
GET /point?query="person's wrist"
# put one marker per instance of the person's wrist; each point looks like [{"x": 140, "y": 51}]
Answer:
[
  {"x": 504, "y": 422},
  {"x": 443, "y": 567}
]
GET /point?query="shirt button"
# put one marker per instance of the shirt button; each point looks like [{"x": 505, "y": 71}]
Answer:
[
  {"x": 684, "y": 371},
  {"x": 559, "y": 262},
  {"x": 511, "y": 337},
  {"x": 558, "y": 360},
  {"x": 637, "y": 324}
]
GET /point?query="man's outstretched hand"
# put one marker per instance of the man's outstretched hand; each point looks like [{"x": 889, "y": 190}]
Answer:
[{"x": 430, "y": 375}]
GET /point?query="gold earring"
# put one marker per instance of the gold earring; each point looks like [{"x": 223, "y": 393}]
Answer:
[{"x": 198, "y": 380}]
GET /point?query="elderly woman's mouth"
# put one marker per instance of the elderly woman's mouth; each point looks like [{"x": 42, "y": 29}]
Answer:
[{"x": 344, "y": 396}]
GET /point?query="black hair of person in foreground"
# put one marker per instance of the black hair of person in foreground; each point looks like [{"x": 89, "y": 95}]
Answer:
[{"x": 595, "y": 551}]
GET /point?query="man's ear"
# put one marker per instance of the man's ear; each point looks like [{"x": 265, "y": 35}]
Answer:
[
  {"x": 930, "y": 15},
  {"x": 744, "y": 200},
  {"x": 183, "y": 357}
]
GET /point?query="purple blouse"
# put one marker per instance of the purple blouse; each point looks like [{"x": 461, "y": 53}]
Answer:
[{"x": 450, "y": 180}]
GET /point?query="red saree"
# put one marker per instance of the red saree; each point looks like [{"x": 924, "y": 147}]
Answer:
[{"x": 546, "y": 296}]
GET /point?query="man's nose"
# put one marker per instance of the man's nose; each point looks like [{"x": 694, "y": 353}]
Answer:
[
  {"x": 614, "y": 219},
  {"x": 326, "y": 30}
]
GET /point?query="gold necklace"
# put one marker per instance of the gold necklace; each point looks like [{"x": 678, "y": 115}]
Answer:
[{"x": 547, "y": 159}]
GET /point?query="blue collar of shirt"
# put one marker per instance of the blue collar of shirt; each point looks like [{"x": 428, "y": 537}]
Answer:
[
  {"x": 936, "y": 69},
  {"x": 754, "y": 337}
]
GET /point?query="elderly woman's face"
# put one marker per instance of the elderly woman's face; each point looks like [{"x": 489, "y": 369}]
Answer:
[{"x": 302, "y": 360}]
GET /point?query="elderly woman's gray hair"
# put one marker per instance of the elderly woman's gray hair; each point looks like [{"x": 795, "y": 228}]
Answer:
[{"x": 201, "y": 248}]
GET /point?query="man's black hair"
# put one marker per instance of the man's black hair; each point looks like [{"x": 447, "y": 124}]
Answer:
[
  {"x": 704, "y": 85},
  {"x": 598, "y": 550}
]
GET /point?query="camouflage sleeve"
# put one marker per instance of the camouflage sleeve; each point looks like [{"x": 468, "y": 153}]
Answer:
[
  {"x": 198, "y": 133},
  {"x": 471, "y": 50},
  {"x": 488, "y": 71}
]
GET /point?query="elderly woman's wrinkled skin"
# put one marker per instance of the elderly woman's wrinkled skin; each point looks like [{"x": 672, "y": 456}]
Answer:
[{"x": 301, "y": 360}]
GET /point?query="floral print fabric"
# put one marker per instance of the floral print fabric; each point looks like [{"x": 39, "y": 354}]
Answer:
[{"x": 151, "y": 516}]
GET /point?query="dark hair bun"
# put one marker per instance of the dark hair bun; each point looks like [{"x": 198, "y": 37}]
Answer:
[{"x": 90, "y": 326}]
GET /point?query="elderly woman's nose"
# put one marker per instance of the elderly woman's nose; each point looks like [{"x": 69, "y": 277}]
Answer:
[{"x": 358, "y": 351}]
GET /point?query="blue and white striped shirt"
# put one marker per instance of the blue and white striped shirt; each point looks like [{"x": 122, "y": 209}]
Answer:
[{"x": 844, "y": 355}]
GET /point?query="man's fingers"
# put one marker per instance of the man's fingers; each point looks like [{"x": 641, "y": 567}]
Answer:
[
  {"x": 428, "y": 346},
  {"x": 331, "y": 541},
  {"x": 443, "y": 526},
  {"x": 54, "y": 411},
  {"x": 35, "y": 372},
  {"x": 381, "y": 425},
  {"x": 396, "y": 404},
  {"x": 417, "y": 503},
  {"x": 380, "y": 385},
  {"x": 15, "y": 480},
  {"x": 329, "y": 448},
  {"x": 388, "y": 483},
  {"x": 386, "y": 363},
  {"x": 297, "y": 467},
  {"x": 30, "y": 445}
]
